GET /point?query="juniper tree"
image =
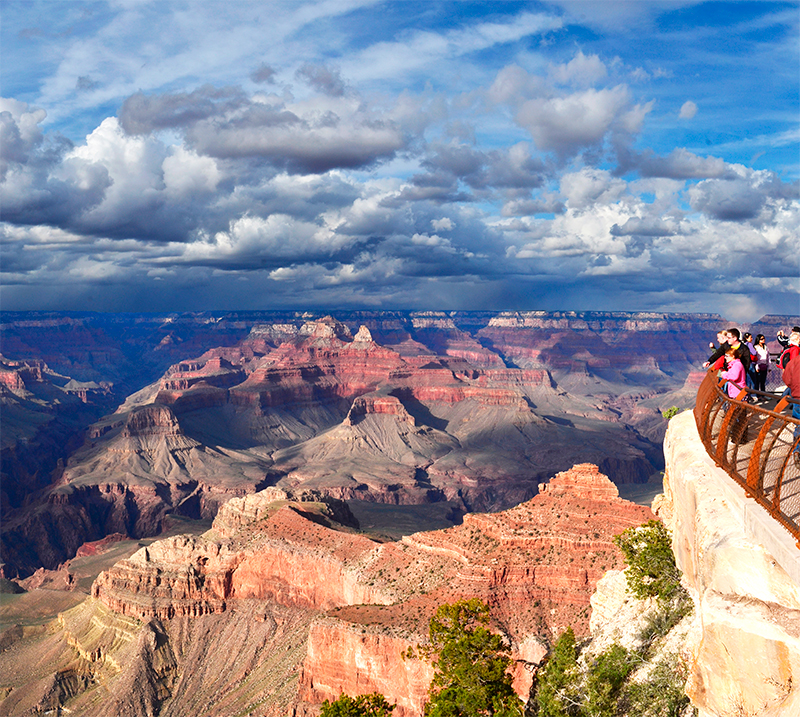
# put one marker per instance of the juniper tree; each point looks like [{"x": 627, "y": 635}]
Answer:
[
  {"x": 471, "y": 664},
  {"x": 372, "y": 705}
]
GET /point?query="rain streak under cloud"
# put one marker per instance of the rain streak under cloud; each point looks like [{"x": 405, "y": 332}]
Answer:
[{"x": 565, "y": 155}]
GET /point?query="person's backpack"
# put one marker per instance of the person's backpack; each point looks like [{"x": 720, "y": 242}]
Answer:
[{"x": 787, "y": 355}]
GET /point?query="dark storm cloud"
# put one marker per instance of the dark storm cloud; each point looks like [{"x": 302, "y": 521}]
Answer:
[
  {"x": 741, "y": 198},
  {"x": 316, "y": 143},
  {"x": 323, "y": 79},
  {"x": 13, "y": 149},
  {"x": 41, "y": 183},
  {"x": 514, "y": 168},
  {"x": 55, "y": 201},
  {"x": 263, "y": 74},
  {"x": 651, "y": 227},
  {"x": 225, "y": 124},
  {"x": 679, "y": 164},
  {"x": 529, "y": 207},
  {"x": 142, "y": 114}
]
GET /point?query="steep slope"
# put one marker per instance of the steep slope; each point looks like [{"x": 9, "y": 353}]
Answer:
[
  {"x": 310, "y": 607},
  {"x": 317, "y": 407}
]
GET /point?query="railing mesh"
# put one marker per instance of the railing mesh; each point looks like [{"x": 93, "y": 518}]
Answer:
[{"x": 754, "y": 444}]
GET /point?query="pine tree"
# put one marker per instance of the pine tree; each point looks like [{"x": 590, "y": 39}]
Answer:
[
  {"x": 471, "y": 664},
  {"x": 558, "y": 682}
]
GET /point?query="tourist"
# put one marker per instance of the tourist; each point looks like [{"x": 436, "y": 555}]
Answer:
[
  {"x": 783, "y": 339},
  {"x": 751, "y": 369},
  {"x": 734, "y": 373},
  {"x": 791, "y": 377},
  {"x": 717, "y": 352},
  {"x": 791, "y": 350},
  {"x": 761, "y": 363},
  {"x": 722, "y": 338},
  {"x": 742, "y": 352}
]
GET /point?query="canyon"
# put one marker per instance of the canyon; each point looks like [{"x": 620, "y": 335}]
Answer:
[
  {"x": 301, "y": 492},
  {"x": 310, "y": 607},
  {"x": 113, "y": 424}
]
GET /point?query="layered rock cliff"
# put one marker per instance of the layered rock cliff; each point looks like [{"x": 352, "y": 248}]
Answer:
[
  {"x": 271, "y": 558},
  {"x": 744, "y": 650}
]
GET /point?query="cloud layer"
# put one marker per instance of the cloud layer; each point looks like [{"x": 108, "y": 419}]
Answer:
[{"x": 515, "y": 177}]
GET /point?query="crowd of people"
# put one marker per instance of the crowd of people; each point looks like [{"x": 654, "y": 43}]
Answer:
[{"x": 745, "y": 363}]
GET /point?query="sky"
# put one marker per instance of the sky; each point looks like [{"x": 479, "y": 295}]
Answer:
[{"x": 568, "y": 155}]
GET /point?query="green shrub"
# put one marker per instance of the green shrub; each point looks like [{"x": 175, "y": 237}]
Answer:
[
  {"x": 651, "y": 570},
  {"x": 372, "y": 705},
  {"x": 605, "y": 679},
  {"x": 558, "y": 687},
  {"x": 661, "y": 695},
  {"x": 471, "y": 664},
  {"x": 670, "y": 412},
  {"x": 662, "y": 619}
]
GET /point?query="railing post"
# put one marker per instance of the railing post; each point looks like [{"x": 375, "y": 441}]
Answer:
[{"x": 755, "y": 468}]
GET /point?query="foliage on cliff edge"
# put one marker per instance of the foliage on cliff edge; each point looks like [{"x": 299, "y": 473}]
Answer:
[{"x": 645, "y": 681}]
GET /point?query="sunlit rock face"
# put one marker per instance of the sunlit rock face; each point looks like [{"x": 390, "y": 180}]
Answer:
[
  {"x": 536, "y": 566},
  {"x": 745, "y": 652}
]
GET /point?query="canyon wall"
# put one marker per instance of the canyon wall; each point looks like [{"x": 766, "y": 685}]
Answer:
[{"x": 745, "y": 647}]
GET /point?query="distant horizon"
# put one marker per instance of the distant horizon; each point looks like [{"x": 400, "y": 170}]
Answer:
[
  {"x": 370, "y": 153},
  {"x": 321, "y": 312}
]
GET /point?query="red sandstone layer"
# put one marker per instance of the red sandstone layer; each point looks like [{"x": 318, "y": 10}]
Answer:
[{"x": 536, "y": 565}]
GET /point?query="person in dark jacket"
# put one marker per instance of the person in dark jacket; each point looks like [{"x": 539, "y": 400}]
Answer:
[
  {"x": 742, "y": 352},
  {"x": 783, "y": 339}
]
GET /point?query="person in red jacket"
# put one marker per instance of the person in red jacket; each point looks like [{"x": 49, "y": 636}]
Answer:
[{"x": 791, "y": 377}]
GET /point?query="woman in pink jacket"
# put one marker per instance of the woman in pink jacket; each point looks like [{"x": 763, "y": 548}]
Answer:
[{"x": 734, "y": 373}]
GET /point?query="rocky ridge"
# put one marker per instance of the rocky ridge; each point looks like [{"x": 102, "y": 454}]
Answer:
[
  {"x": 536, "y": 565},
  {"x": 320, "y": 407},
  {"x": 318, "y": 608}
]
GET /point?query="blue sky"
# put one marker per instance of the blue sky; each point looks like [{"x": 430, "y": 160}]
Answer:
[{"x": 451, "y": 155}]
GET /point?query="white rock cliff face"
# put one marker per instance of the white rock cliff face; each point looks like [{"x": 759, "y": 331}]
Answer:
[{"x": 745, "y": 648}]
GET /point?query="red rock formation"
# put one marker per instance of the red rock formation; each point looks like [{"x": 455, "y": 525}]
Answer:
[{"x": 536, "y": 565}]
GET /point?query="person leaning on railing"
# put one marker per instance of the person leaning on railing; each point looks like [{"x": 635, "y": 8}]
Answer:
[
  {"x": 733, "y": 342},
  {"x": 734, "y": 373},
  {"x": 791, "y": 377}
]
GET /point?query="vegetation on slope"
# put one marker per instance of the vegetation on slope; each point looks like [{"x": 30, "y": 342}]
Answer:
[{"x": 622, "y": 682}]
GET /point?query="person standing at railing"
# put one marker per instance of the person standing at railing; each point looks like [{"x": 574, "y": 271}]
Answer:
[
  {"x": 783, "y": 339},
  {"x": 791, "y": 351},
  {"x": 741, "y": 351},
  {"x": 762, "y": 362},
  {"x": 751, "y": 350},
  {"x": 791, "y": 377},
  {"x": 734, "y": 373}
]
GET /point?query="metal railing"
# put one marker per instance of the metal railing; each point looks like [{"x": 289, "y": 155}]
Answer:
[{"x": 754, "y": 444}]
